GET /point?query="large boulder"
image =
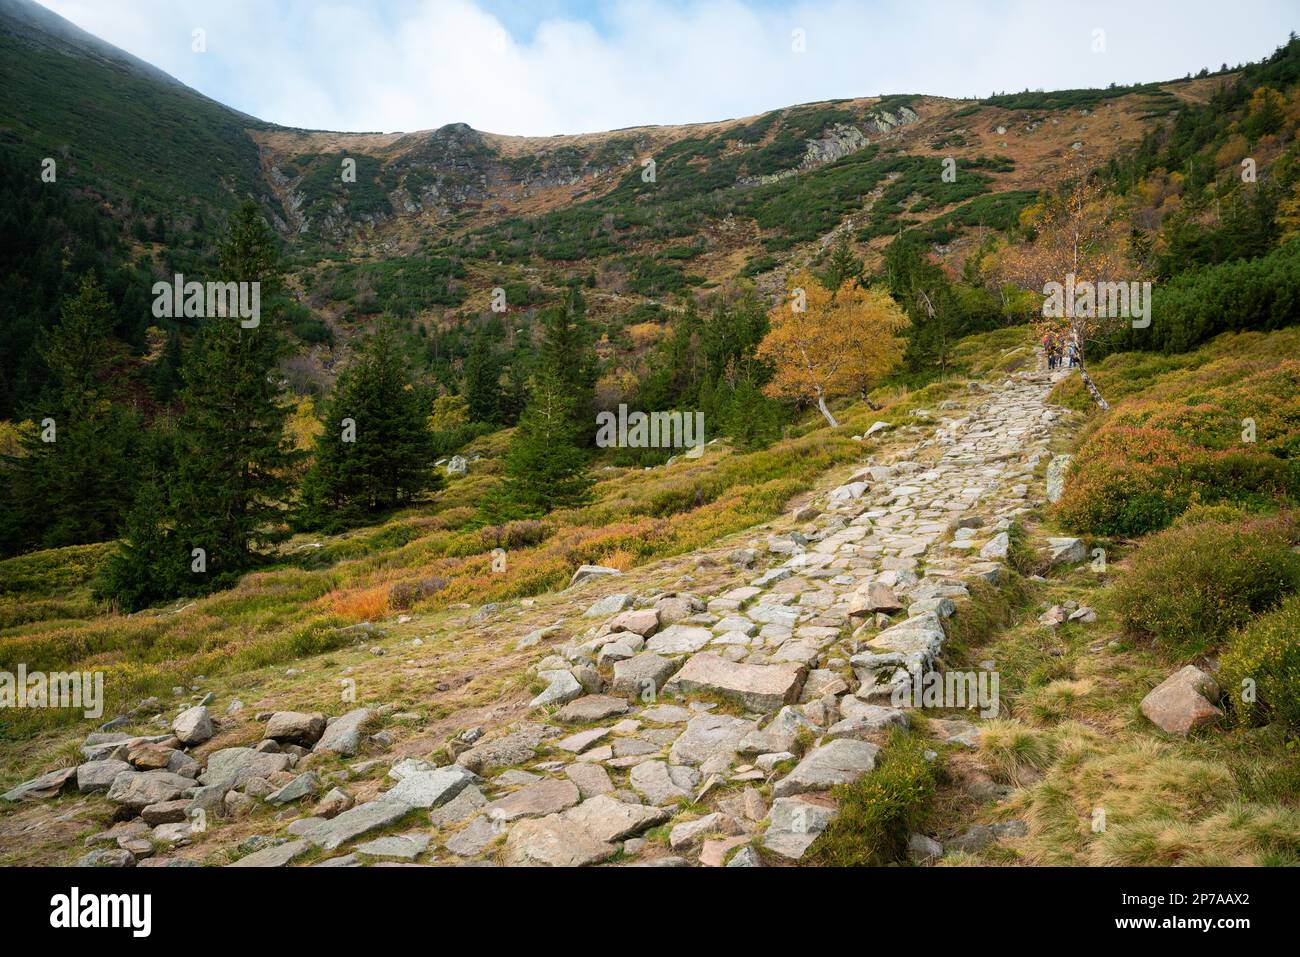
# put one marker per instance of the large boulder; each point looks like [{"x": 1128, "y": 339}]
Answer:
[
  {"x": 295, "y": 727},
  {"x": 431, "y": 788},
  {"x": 1066, "y": 551},
  {"x": 609, "y": 819},
  {"x": 343, "y": 735},
  {"x": 874, "y": 597},
  {"x": 548, "y": 796},
  {"x": 592, "y": 707},
  {"x": 99, "y": 775},
  {"x": 231, "y": 767},
  {"x": 351, "y": 824},
  {"x": 708, "y": 735},
  {"x": 45, "y": 786},
  {"x": 642, "y": 621},
  {"x": 193, "y": 725},
  {"x": 514, "y": 748},
  {"x": 561, "y": 688},
  {"x": 609, "y": 605},
  {"x": 136, "y": 790},
  {"x": 641, "y": 676},
  {"x": 679, "y": 640},
  {"x": 588, "y": 572},
  {"x": 1183, "y": 701},
  {"x": 795, "y": 825}
]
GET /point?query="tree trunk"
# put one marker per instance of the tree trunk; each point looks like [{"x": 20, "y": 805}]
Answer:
[
  {"x": 1092, "y": 389},
  {"x": 821, "y": 405},
  {"x": 1083, "y": 373}
]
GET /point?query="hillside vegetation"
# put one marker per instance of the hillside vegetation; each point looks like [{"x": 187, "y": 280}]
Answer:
[{"x": 394, "y": 472}]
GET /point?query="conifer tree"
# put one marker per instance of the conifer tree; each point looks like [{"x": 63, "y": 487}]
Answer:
[
  {"x": 483, "y": 380},
  {"x": 568, "y": 355},
  {"x": 544, "y": 466},
  {"x": 73, "y": 482},
  {"x": 146, "y": 567},
  {"x": 376, "y": 450},
  {"x": 841, "y": 266},
  {"x": 232, "y": 456}
]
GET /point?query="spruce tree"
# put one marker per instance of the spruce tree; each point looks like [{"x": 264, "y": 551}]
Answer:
[
  {"x": 483, "y": 380},
  {"x": 544, "y": 467},
  {"x": 376, "y": 450},
  {"x": 568, "y": 355},
  {"x": 841, "y": 265},
  {"x": 232, "y": 456},
  {"x": 146, "y": 567},
  {"x": 73, "y": 482}
]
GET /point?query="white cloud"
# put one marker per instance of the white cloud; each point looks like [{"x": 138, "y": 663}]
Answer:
[{"x": 416, "y": 64}]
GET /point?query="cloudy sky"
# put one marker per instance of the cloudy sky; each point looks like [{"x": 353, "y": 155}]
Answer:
[{"x": 541, "y": 67}]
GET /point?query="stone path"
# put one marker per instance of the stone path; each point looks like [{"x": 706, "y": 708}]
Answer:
[{"x": 672, "y": 710}]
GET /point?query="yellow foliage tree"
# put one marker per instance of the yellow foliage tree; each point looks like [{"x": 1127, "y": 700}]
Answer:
[
  {"x": 827, "y": 343},
  {"x": 1080, "y": 236}
]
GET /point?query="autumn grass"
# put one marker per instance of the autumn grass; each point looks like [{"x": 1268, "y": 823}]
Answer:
[{"x": 1095, "y": 782}]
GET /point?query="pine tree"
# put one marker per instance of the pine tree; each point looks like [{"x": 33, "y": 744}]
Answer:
[
  {"x": 73, "y": 482},
  {"x": 146, "y": 568},
  {"x": 231, "y": 452},
  {"x": 568, "y": 355},
  {"x": 544, "y": 467},
  {"x": 483, "y": 380},
  {"x": 841, "y": 266},
  {"x": 376, "y": 450},
  {"x": 165, "y": 376}
]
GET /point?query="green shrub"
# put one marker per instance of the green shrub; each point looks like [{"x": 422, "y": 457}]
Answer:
[
  {"x": 878, "y": 813},
  {"x": 1189, "y": 587},
  {"x": 1266, "y": 652}
]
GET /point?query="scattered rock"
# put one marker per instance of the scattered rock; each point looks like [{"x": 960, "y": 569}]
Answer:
[
  {"x": 294, "y": 727},
  {"x": 342, "y": 736},
  {"x": 1183, "y": 701},
  {"x": 757, "y": 687},
  {"x": 193, "y": 726}
]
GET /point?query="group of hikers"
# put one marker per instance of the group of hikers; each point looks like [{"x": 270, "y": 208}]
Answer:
[{"x": 1057, "y": 348}]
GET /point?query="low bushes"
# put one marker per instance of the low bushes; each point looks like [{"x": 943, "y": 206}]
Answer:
[
  {"x": 1264, "y": 657},
  {"x": 1234, "y": 441},
  {"x": 1188, "y": 587}
]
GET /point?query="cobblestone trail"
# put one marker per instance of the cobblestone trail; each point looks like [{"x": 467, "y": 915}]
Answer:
[{"x": 783, "y": 678}]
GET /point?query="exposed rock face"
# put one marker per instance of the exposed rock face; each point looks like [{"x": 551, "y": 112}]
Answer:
[{"x": 1183, "y": 701}]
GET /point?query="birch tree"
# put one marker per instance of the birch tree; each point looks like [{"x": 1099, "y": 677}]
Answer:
[{"x": 828, "y": 343}]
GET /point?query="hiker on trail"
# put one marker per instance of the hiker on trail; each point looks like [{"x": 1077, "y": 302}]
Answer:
[
  {"x": 1053, "y": 351},
  {"x": 1072, "y": 351}
]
